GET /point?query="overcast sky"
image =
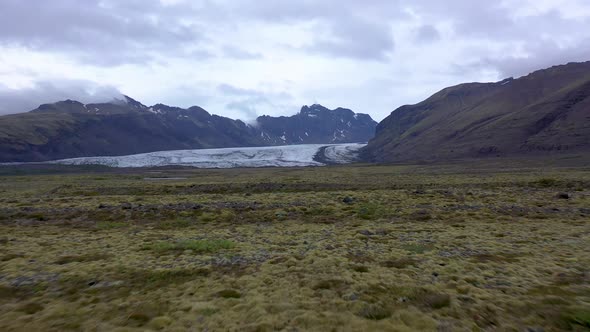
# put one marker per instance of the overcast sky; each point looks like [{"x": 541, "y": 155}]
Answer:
[{"x": 243, "y": 58}]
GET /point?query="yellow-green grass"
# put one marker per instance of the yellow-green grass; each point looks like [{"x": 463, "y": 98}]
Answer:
[{"x": 390, "y": 248}]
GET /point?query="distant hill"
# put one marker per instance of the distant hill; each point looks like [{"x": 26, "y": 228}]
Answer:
[
  {"x": 69, "y": 129},
  {"x": 545, "y": 112}
]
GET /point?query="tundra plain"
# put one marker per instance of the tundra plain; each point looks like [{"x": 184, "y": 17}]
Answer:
[{"x": 480, "y": 246}]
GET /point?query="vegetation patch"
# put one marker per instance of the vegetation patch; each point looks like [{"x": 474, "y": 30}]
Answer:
[
  {"x": 497, "y": 258},
  {"x": 579, "y": 318},
  {"x": 418, "y": 248},
  {"x": 197, "y": 246},
  {"x": 374, "y": 312},
  {"x": 106, "y": 225},
  {"x": 174, "y": 224},
  {"x": 11, "y": 256},
  {"x": 81, "y": 258},
  {"x": 31, "y": 308},
  {"x": 229, "y": 294},
  {"x": 547, "y": 182},
  {"x": 371, "y": 211},
  {"x": 256, "y": 249},
  {"x": 400, "y": 263}
]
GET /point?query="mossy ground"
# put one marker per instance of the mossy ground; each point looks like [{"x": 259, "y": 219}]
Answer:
[{"x": 389, "y": 248}]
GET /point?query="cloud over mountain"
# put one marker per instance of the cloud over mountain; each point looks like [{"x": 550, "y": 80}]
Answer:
[{"x": 180, "y": 51}]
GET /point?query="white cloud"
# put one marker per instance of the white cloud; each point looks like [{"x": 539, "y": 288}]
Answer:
[
  {"x": 43, "y": 92},
  {"x": 369, "y": 56}
]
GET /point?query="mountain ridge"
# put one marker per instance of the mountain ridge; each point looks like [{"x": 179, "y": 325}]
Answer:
[
  {"x": 69, "y": 129},
  {"x": 545, "y": 111}
]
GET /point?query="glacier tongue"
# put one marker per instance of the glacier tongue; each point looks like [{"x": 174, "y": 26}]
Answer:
[{"x": 272, "y": 156}]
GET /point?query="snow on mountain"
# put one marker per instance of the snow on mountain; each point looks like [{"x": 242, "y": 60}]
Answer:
[{"x": 273, "y": 156}]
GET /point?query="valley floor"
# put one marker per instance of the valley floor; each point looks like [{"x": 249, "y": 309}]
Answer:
[{"x": 346, "y": 248}]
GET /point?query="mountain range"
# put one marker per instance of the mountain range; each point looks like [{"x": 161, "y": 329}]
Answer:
[
  {"x": 69, "y": 129},
  {"x": 545, "y": 112}
]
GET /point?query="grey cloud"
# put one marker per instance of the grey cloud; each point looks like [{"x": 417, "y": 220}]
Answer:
[
  {"x": 308, "y": 10},
  {"x": 99, "y": 32},
  {"x": 247, "y": 108},
  {"x": 251, "y": 103},
  {"x": 427, "y": 34},
  {"x": 485, "y": 36},
  {"x": 356, "y": 38},
  {"x": 495, "y": 20},
  {"x": 356, "y": 30},
  {"x": 42, "y": 92},
  {"x": 238, "y": 53},
  {"x": 540, "y": 55},
  {"x": 231, "y": 90}
]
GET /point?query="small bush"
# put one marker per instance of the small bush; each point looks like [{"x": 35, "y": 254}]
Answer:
[
  {"x": 360, "y": 268},
  {"x": 422, "y": 215},
  {"x": 38, "y": 217},
  {"x": 7, "y": 292},
  {"x": 400, "y": 263},
  {"x": 370, "y": 211},
  {"x": 333, "y": 284},
  {"x": 546, "y": 182},
  {"x": 229, "y": 294},
  {"x": 104, "y": 225},
  {"x": 319, "y": 211},
  {"x": 374, "y": 312},
  {"x": 435, "y": 300},
  {"x": 31, "y": 308}
]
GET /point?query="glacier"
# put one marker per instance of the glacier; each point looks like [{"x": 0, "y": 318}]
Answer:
[{"x": 270, "y": 156}]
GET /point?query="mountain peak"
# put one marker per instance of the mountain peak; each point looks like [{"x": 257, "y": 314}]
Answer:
[
  {"x": 315, "y": 108},
  {"x": 133, "y": 103}
]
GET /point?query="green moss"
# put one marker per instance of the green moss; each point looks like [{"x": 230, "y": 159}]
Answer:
[
  {"x": 197, "y": 246},
  {"x": 173, "y": 224},
  {"x": 295, "y": 254},
  {"x": 580, "y": 317},
  {"x": 418, "y": 248}
]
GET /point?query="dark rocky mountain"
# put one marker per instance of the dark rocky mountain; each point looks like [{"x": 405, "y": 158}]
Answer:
[
  {"x": 317, "y": 124},
  {"x": 547, "y": 111},
  {"x": 69, "y": 129}
]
